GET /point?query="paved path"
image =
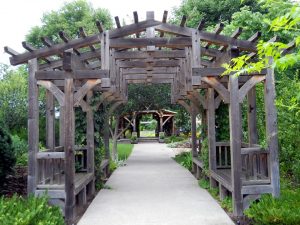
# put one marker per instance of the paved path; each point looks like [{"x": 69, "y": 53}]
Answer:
[{"x": 152, "y": 189}]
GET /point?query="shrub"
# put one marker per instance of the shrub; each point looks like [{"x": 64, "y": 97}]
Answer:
[
  {"x": 99, "y": 156},
  {"x": 185, "y": 159},
  {"x": 173, "y": 139},
  {"x": 128, "y": 134},
  {"x": 30, "y": 211},
  {"x": 21, "y": 150},
  {"x": 284, "y": 210},
  {"x": 7, "y": 156},
  {"x": 204, "y": 155}
]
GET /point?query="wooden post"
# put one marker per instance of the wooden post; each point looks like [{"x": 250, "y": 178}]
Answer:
[
  {"x": 194, "y": 130},
  {"x": 271, "y": 129},
  {"x": 235, "y": 145},
  {"x": 69, "y": 128},
  {"x": 106, "y": 132},
  {"x": 150, "y": 32},
  {"x": 211, "y": 131},
  {"x": 50, "y": 121},
  {"x": 161, "y": 124},
  {"x": 252, "y": 124},
  {"x": 61, "y": 125},
  {"x": 33, "y": 126},
  {"x": 90, "y": 135}
]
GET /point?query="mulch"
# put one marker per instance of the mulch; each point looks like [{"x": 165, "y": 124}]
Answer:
[{"x": 15, "y": 183}]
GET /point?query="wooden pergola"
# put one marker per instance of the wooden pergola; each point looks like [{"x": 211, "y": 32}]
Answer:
[{"x": 148, "y": 51}]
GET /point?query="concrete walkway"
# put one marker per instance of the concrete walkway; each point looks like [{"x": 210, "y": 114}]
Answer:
[{"x": 152, "y": 189}]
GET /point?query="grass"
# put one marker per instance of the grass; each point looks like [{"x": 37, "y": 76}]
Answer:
[
  {"x": 147, "y": 133},
  {"x": 124, "y": 150}
]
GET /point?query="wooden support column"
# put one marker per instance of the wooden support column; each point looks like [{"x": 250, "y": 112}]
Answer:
[
  {"x": 69, "y": 128},
  {"x": 90, "y": 142},
  {"x": 235, "y": 145},
  {"x": 50, "y": 121},
  {"x": 252, "y": 122},
  {"x": 62, "y": 125},
  {"x": 106, "y": 132},
  {"x": 90, "y": 135},
  {"x": 161, "y": 124},
  {"x": 33, "y": 126},
  {"x": 211, "y": 132},
  {"x": 150, "y": 32},
  {"x": 194, "y": 135},
  {"x": 271, "y": 129}
]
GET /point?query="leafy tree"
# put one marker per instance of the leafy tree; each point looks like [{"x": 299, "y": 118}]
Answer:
[
  {"x": 69, "y": 18},
  {"x": 211, "y": 11},
  {"x": 13, "y": 99},
  {"x": 7, "y": 157}
]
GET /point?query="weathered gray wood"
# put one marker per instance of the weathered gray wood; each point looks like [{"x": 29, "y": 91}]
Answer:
[
  {"x": 176, "y": 42},
  {"x": 50, "y": 121},
  {"x": 50, "y": 155},
  {"x": 252, "y": 120},
  {"x": 248, "y": 86},
  {"x": 144, "y": 64},
  {"x": 271, "y": 129},
  {"x": 77, "y": 74},
  {"x": 214, "y": 83},
  {"x": 90, "y": 135},
  {"x": 106, "y": 132},
  {"x": 256, "y": 189},
  {"x": 194, "y": 132},
  {"x": 59, "y": 95},
  {"x": 150, "y": 30},
  {"x": 147, "y": 54},
  {"x": 33, "y": 126},
  {"x": 69, "y": 151},
  {"x": 211, "y": 128},
  {"x": 235, "y": 145}
]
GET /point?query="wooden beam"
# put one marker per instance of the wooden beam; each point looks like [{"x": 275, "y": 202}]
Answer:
[
  {"x": 211, "y": 128},
  {"x": 183, "y": 21},
  {"x": 10, "y": 51},
  {"x": 50, "y": 121},
  {"x": 143, "y": 64},
  {"x": 69, "y": 121},
  {"x": 235, "y": 146},
  {"x": 118, "y": 24},
  {"x": 177, "y": 42},
  {"x": 99, "y": 26},
  {"x": 271, "y": 129},
  {"x": 150, "y": 54},
  {"x": 252, "y": 119},
  {"x": 77, "y": 74},
  {"x": 33, "y": 127},
  {"x": 201, "y": 25}
]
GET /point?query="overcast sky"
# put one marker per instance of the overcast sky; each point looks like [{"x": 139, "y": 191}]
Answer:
[{"x": 18, "y": 16}]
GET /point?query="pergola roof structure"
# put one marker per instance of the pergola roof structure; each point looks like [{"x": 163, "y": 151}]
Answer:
[{"x": 152, "y": 51}]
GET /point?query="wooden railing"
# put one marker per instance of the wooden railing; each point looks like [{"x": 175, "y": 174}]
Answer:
[
  {"x": 223, "y": 155},
  {"x": 51, "y": 164},
  {"x": 255, "y": 162},
  {"x": 255, "y": 165}
]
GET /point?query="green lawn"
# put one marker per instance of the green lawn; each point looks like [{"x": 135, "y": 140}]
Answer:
[{"x": 124, "y": 150}]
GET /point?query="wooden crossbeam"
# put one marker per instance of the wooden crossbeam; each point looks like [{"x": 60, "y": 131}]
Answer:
[
  {"x": 147, "y": 75},
  {"x": 183, "y": 21},
  {"x": 255, "y": 37},
  {"x": 201, "y": 25},
  {"x": 117, "y": 20},
  {"x": 136, "y": 20},
  {"x": 76, "y": 74},
  {"x": 177, "y": 42},
  {"x": 64, "y": 37},
  {"x": 99, "y": 26},
  {"x": 158, "y": 70},
  {"x": 164, "y": 20},
  {"x": 147, "y": 54},
  {"x": 142, "y": 64},
  {"x": 234, "y": 35},
  {"x": 10, "y": 51},
  {"x": 216, "y": 72},
  {"x": 30, "y": 48},
  {"x": 218, "y": 30},
  {"x": 83, "y": 35}
]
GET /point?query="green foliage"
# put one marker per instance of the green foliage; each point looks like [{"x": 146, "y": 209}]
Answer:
[
  {"x": 21, "y": 150},
  {"x": 30, "y": 211},
  {"x": 226, "y": 204},
  {"x": 124, "y": 151},
  {"x": 211, "y": 11},
  {"x": 14, "y": 100},
  {"x": 183, "y": 120},
  {"x": 185, "y": 159},
  {"x": 99, "y": 156},
  {"x": 128, "y": 134},
  {"x": 282, "y": 211},
  {"x": 69, "y": 18},
  {"x": 173, "y": 139},
  {"x": 7, "y": 156},
  {"x": 204, "y": 155}
]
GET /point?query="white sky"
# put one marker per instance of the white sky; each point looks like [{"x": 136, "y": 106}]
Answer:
[{"x": 18, "y": 16}]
